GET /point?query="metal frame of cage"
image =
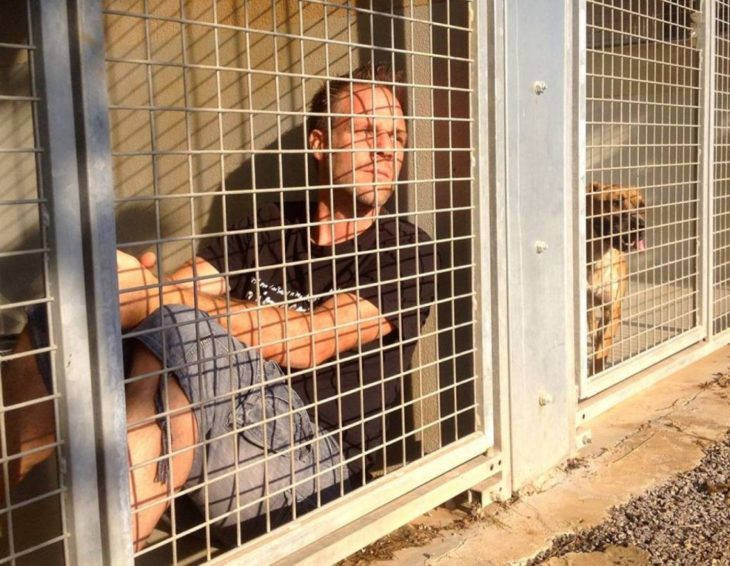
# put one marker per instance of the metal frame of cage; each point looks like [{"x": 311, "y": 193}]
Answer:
[
  {"x": 90, "y": 346},
  {"x": 59, "y": 205}
]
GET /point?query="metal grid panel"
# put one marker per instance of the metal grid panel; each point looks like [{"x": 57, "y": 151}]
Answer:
[
  {"x": 642, "y": 168},
  {"x": 721, "y": 187},
  {"x": 25, "y": 266},
  {"x": 207, "y": 110}
]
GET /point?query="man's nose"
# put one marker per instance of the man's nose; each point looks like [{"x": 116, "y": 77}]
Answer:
[{"x": 384, "y": 146}]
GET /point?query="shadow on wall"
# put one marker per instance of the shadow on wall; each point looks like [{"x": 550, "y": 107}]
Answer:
[
  {"x": 282, "y": 172},
  {"x": 14, "y": 31}
]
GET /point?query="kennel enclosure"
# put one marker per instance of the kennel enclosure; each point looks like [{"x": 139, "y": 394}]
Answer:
[{"x": 155, "y": 125}]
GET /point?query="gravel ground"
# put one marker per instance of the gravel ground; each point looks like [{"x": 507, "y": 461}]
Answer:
[{"x": 684, "y": 521}]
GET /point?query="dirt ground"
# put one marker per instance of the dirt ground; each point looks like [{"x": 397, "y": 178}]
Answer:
[{"x": 648, "y": 441}]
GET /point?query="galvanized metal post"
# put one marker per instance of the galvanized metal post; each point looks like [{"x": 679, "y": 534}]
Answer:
[
  {"x": 69, "y": 308},
  {"x": 482, "y": 260},
  {"x": 707, "y": 156},
  {"x": 578, "y": 164},
  {"x": 491, "y": 28},
  {"x": 98, "y": 222},
  {"x": 539, "y": 205}
]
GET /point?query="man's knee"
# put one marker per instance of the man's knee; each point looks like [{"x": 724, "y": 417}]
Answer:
[
  {"x": 169, "y": 318},
  {"x": 183, "y": 336}
]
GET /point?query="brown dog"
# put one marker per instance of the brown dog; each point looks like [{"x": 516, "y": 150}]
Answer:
[{"x": 616, "y": 222}]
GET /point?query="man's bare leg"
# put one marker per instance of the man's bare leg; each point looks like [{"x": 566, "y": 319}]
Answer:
[
  {"x": 144, "y": 438},
  {"x": 30, "y": 429}
]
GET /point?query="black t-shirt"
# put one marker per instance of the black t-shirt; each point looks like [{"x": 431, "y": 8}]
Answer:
[{"x": 270, "y": 260}]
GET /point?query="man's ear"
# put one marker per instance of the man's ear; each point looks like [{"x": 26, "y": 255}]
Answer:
[{"x": 317, "y": 143}]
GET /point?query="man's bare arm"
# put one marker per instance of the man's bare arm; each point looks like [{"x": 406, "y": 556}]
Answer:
[
  {"x": 291, "y": 338},
  {"x": 197, "y": 273}
]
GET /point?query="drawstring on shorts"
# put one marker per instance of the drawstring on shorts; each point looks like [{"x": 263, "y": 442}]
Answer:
[{"x": 163, "y": 465}]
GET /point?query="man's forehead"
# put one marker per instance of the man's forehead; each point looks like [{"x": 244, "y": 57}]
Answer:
[{"x": 368, "y": 100}]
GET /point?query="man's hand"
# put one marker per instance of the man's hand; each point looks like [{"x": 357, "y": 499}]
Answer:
[
  {"x": 139, "y": 294},
  {"x": 148, "y": 260}
]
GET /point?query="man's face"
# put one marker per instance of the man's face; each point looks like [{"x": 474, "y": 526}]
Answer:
[{"x": 368, "y": 146}]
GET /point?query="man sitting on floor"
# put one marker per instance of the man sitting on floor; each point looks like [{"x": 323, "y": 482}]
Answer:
[{"x": 335, "y": 292}]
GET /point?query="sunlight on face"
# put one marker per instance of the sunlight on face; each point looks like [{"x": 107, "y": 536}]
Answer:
[{"x": 368, "y": 146}]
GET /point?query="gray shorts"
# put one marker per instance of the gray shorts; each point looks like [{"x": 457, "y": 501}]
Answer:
[{"x": 259, "y": 458}]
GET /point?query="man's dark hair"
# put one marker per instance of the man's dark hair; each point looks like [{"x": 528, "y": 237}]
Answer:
[{"x": 325, "y": 98}]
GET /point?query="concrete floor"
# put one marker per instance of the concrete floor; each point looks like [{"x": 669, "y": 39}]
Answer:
[{"x": 644, "y": 441}]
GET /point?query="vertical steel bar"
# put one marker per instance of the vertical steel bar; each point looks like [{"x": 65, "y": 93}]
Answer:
[
  {"x": 69, "y": 308},
  {"x": 707, "y": 145},
  {"x": 482, "y": 252},
  {"x": 493, "y": 23},
  {"x": 98, "y": 222},
  {"x": 578, "y": 152}
]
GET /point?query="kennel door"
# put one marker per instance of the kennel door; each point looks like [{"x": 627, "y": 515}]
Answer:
[{"x": 643, "y": 133}]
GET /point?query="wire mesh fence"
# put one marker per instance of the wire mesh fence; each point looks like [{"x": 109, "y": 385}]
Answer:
[
  {"x": 643, "y": 170},
  {"x": 322, "y": 242},
  {"x": 30, "y": 407},
  {"x": 296, "y": 268},
  {"x": 721, "y": 228}
]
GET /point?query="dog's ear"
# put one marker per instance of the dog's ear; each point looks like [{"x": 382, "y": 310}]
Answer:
[
  {"x": 593, "y": 188},
  {"x": 636, "y": 199}
]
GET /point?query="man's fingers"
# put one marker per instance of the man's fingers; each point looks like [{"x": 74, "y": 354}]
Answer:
[
  {"x": 148, "y": 260},
  {"x": 129, "y": 265}
]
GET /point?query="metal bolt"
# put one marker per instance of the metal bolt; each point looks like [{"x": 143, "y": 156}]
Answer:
[
  {"x": 541, "y": 247},
  {"x": 585, "y": 439},
  {"x": 545, "y": 399},
  {"x": 539, "y": 87}
]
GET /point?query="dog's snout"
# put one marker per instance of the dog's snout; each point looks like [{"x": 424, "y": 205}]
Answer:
[{"x": 635, "y": 222}]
